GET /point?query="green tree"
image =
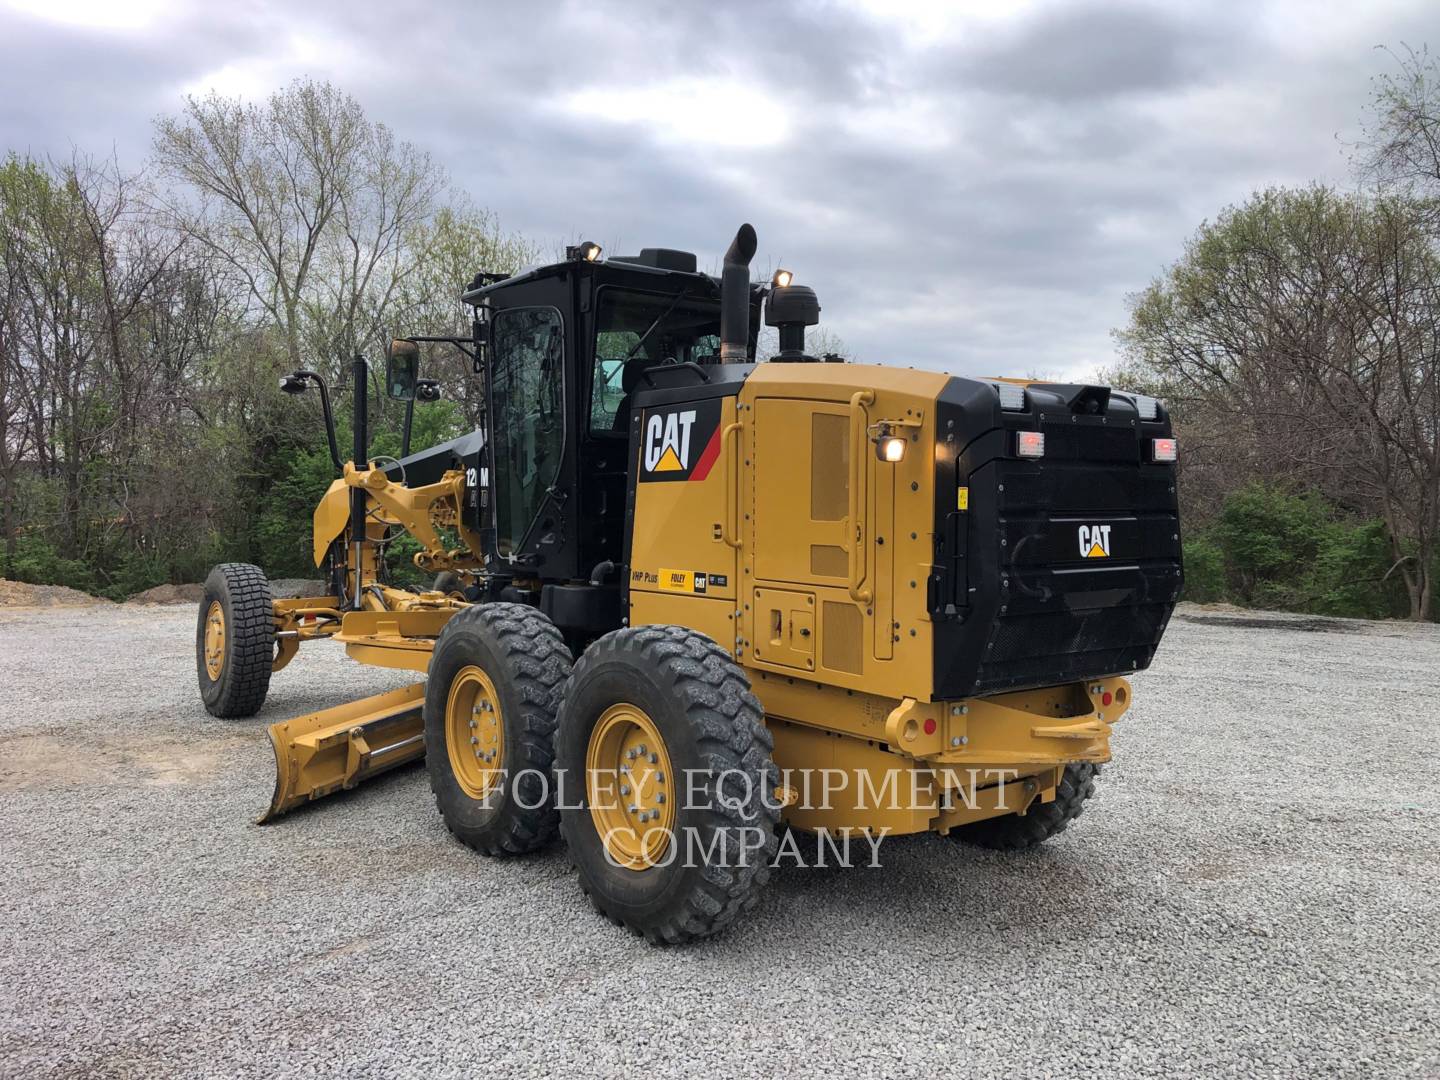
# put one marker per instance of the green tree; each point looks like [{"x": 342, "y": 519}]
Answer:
[{"x": 1299, "y": 333}]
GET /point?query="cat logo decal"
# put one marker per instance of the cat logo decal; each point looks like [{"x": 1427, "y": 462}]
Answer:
[
  {"x": 1094, "y": 541},
  {"x": 679, "y": 442}
]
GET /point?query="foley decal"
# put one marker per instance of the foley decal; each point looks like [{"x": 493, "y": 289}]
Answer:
[
  {"x": 686, "y": 581},
  {"x": 679, "y": 442}
]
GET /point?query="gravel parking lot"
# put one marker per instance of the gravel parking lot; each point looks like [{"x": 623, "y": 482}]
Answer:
[{"x": 1254, "y": 891}]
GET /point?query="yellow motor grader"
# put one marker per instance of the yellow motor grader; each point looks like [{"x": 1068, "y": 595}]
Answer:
[{"x": 683, "y": 597}]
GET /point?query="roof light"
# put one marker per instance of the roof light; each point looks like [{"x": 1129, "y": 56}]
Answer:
[
  {"x": 1164, "y": 449},
  {"x": 1012, "y": 397},
  {"x": 1147, "y": 407},
  {"x": 782, "y": 279},
  {"x": 585, "y": 251},
  {"x": 1030, "y": 444}
]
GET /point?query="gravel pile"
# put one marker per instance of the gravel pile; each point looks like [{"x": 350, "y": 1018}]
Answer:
[
  {"x": 1253, "y": 892},
  {"x": 169, "y": 594},
  {"x": 280, "y": 588}
]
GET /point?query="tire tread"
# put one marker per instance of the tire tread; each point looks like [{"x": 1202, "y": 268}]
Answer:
[{"x": 1018, "y": 832}]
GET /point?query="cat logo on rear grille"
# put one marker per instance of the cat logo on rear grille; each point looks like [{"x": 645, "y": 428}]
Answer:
[{"x": 1094, "y": 541}]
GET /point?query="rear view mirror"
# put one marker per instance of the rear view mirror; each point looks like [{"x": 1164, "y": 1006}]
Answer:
[{"x": 402, "y": 369}]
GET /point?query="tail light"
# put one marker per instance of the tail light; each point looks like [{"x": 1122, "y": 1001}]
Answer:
[
  {"x": 1163, "y": 449},
  {"x": 1030, "y": 444}
]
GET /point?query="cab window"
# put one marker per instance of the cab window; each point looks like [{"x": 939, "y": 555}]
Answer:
[
  {"x": 527, "y": 395},
  {"x": 636, "y": 331}
]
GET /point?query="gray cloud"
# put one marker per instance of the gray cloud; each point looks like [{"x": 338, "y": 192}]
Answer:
[
  {"x": 977, "y": 196},
  {"x": 1099, "y": 50}
]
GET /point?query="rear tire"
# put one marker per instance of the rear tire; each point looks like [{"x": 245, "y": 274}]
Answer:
[
  {"x": 492, "y": 779},
  {"x": 235, "y": 640},
  {"x": 1016, "y": 832},
  {"x": 710, "y": 858}
]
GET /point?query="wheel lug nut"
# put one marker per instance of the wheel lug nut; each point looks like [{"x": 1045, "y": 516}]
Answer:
[
  {"x": 659, "y": 797},
  {"x": 474, "y": 741},
  {"x": 624, "y": 789},
  {"x": 634, "y": 809}
]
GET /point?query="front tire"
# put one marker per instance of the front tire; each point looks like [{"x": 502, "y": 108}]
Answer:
[
  {"x": 664, "y": 715},
  {"x": 235, "y": 640},
  {"x": 491, "y": 700},
  {"x": 1016, "y": 832}
]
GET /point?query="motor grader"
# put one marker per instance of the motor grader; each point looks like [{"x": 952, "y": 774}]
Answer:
[{"x": 684, "y": 598}]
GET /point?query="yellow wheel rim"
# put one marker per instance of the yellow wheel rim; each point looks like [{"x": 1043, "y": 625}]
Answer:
[
  {"x": 475, "y": 732},
  {"x": 630, "y": 787},
  {"x": 214, "y": 640}
]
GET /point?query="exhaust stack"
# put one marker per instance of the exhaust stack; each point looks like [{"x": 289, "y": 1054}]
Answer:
[{"x": 735, "y": 298}]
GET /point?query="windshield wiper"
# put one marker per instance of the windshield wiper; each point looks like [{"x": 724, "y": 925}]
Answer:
[{"x": 684, "y": 294}]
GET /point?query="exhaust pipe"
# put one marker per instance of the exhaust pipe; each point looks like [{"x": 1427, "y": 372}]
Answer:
[{"x": 735, "y": 298}]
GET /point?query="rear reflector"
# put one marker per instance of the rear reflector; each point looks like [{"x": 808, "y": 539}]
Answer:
[
  {"x": 1030, "y": 444},
  {"x": 1163, "y": 450}
]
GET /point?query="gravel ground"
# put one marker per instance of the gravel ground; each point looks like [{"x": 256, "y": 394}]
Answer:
[{"x": 1254, "y": 891}]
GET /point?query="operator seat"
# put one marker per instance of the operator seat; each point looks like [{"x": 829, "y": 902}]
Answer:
[{"x": 629, "y": 383}]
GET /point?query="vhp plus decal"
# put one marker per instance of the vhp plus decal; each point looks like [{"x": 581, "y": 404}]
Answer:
[{"x": 679, "y": 442}]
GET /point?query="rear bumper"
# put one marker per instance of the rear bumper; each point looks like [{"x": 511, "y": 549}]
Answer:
[{"x": 944, "y": 764}]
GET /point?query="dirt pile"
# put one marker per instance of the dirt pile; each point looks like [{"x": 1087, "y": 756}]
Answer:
[{"x": 22, "y": 594}]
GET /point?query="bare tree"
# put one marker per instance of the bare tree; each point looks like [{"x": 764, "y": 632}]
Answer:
[{"x": 306, "y": 201}]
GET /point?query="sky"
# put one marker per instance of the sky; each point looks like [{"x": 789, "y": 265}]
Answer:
[{"x": 969, "y": 187}]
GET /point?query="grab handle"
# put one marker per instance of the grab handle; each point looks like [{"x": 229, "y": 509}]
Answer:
[
  {"x": 855, "y": 522},
  {"x": 730, "y": 529}
]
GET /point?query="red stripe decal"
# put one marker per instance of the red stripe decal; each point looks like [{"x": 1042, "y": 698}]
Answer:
[{"x": 707, "y": 456}]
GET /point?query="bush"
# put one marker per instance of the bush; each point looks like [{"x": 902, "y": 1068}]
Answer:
[
  {"x": 1204, "y": 570},
  {"x": 1271, "y": 548}
]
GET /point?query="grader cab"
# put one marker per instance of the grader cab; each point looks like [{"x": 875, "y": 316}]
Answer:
[{"x": 684, "y": 597}]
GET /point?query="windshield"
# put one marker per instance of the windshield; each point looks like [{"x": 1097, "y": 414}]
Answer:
[
  {"x": 527, "y": 392},
  {"x": 635, "y": 331}
]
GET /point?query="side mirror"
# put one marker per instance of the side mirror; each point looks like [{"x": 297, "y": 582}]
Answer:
[
  {"x": 402, "y": 369},
  {"x": 427, "y": 390}
]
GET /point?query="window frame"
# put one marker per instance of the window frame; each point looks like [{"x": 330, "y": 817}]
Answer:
[
  {"x": 517, "y": 548},
  {"x": 592, "y": 344}
]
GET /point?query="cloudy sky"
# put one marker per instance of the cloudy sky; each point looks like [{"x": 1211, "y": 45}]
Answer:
[{"x": 973, "y": 187}]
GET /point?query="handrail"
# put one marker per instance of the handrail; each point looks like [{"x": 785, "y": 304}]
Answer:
[
  {"x": 730, "y": 527},
  {"x": 855, "y": 522}
]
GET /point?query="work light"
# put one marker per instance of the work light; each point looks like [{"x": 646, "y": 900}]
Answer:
[{"x": 889, "y": 446}]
